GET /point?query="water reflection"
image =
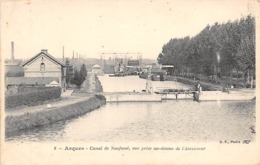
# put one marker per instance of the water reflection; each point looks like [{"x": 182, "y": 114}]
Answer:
[
  {"x": 39, "y": 133},
  {"x": 169, "y": 121}
]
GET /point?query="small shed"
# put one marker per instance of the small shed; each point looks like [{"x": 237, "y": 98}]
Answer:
[
  {"x": 53, "y": 84},
  {"x": 168, "y": 68}
]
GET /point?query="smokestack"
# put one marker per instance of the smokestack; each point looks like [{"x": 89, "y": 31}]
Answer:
[
  {"x": 44, "y": 51},
  {"x": 12, "y": 52}
]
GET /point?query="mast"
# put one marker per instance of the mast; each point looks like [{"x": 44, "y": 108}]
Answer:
[{"x": 12, "y": 52}]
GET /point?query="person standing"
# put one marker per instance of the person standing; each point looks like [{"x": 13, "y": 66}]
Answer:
[
  {"x": 198, "y": 86},
  {"x": 196, "y": 94}
]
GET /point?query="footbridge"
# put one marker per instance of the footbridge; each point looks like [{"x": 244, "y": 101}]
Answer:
[{"x": 179, "y": 94}]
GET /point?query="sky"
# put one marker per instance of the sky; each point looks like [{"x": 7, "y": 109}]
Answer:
[{"x": 92, "y": 27}]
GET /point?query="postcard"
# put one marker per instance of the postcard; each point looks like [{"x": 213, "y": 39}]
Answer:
[{"x": 129, "y": 82}]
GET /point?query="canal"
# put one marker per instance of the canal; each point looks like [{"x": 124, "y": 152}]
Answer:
[{"x": 168, "y": 121}]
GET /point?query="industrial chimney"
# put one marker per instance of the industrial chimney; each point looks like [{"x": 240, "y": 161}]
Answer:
[{"x": 12, "y": 52}]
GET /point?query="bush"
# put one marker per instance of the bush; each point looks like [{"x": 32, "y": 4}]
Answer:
[
  {"x": 28, "y": 89},
  {"x": 100, "y": 97},
  {"x": 32, "y": 98}
]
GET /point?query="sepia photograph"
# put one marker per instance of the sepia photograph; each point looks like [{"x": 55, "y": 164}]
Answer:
[{"x": 129, "y": 82}]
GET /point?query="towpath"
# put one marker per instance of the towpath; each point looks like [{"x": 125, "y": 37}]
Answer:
[
  {"x": 47, "y": 106},
  {"x": 64, "y": 101},
  {"x": 89, "y": 84},
  {"x": 203, "y": 83}
]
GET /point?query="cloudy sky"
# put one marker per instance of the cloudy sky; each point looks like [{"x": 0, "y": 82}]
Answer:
[{"x": 92, "y": 27}]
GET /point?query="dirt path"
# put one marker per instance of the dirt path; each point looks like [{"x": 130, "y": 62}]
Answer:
[
  {"x": 203, "y": 83},
  {"x": 89, "y": 84},
  {"x": 48, "y": 106}
]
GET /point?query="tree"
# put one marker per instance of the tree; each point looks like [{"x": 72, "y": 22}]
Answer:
[
  {"x": 232, "y": 42},
  {"x": 77, "y": 79},
  {"x": 83, "y": 71},
  {"x": 246, "y": 49}
]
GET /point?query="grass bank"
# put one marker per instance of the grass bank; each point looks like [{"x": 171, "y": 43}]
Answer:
[
  {"x": 205, "y": 85},
  {"x": 49, "y": 116}
]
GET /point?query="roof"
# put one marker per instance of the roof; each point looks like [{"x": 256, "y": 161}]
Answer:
[
  {"x": 46, "y": 54},
  {"x": 29, "y": 80},
  {"x": 54, "y": 83},
  {"x": 96, "y": 66}
]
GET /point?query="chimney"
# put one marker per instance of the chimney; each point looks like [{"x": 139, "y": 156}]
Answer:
[
  {"x": 12, "y": 52},
  {"x": 44, "y": 50}
]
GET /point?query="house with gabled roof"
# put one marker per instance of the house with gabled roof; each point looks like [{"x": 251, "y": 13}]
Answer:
[{"x": 45, "y": 66}]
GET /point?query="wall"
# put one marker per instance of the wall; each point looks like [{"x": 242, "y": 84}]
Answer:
[
  {"x": 52, "y": 69},
  {"x": 97, "y": 71}
]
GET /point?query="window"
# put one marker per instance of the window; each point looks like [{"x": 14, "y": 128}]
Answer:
[{"x": 42, "y": 67}]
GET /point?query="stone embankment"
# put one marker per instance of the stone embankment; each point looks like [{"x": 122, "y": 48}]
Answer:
[{"x": 49, "y": 115}]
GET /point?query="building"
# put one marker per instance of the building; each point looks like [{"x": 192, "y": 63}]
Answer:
[
  {"x": 133, "y": 63},
  {"x": 168, "y": 68},
  {"x": 45, "y": 66},
  {"x": 109, "y": 69},
  {"x": 13, "y": 70},
  {"x": 13, "y": 66},
  {"x": 96, "y": 69}
]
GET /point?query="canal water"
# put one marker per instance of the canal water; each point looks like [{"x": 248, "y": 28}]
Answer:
[
  {"x": 168, "y": 121},
  {"x": 134, "y": 83}
]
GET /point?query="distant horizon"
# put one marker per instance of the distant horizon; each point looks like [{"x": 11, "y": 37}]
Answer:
[
  {"x": 60, "y": 59},
  {"x": 7, "y": 58}
]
